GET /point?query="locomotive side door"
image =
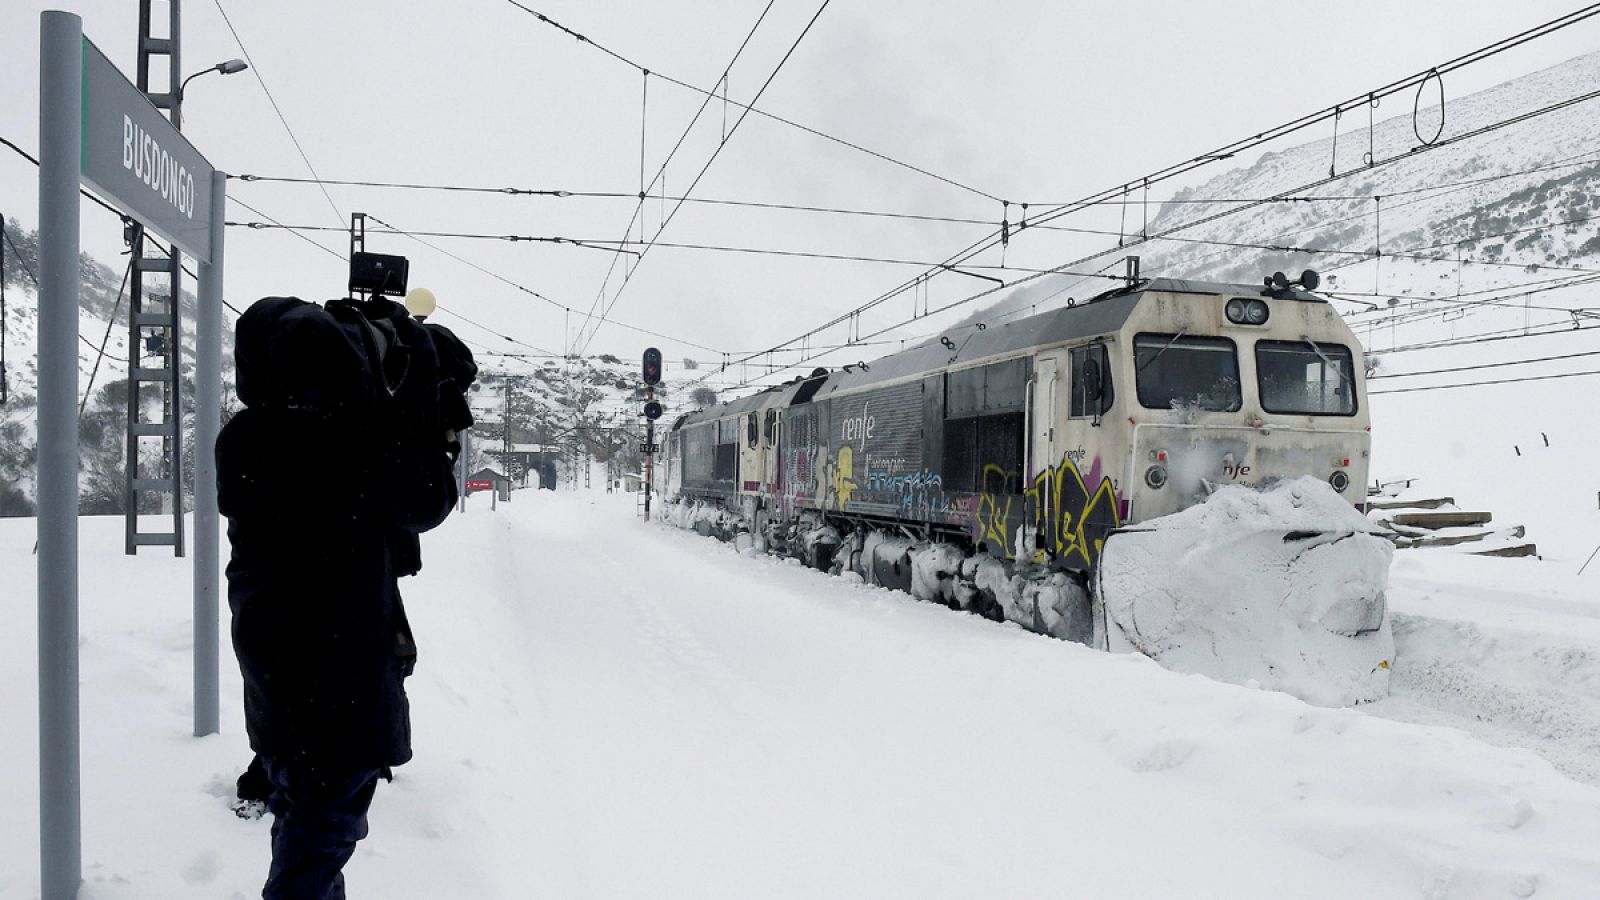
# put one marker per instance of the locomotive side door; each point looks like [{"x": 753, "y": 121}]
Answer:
[
  {"x": 1045, "y": 433},
  {"x": 769, "y": 432},
  {"x": 750, "y": 465},
  {"x": 1046, "y": 412},
  {"x": 1086, "y": 499}
]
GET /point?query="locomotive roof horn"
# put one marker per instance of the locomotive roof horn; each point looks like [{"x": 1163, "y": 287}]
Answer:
[{"x": 1278, "y": 283}]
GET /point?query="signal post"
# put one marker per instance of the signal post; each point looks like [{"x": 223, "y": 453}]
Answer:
[{"x": 652, "y": 412}]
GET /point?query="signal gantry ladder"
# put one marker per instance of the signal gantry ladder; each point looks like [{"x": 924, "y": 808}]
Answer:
[{"x": 153, "y": 319}]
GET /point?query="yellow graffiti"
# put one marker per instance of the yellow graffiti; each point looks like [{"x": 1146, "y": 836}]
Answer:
[
  {"x": 994, "y": 511},
  {"x": 1064, "y": 508},
  {"x": 843, "y": 485}
]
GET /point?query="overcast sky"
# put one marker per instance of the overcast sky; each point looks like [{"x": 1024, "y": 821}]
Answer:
[{"x": 1037, "y": 102}]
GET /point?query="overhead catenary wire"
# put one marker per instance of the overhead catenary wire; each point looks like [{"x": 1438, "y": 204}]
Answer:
[
  {"x": 298, "y": 229},
  {"x": 1432, "y": 190},
  {"x": 1376, "y": 163},
  {"x": 533, "y": 293},
  {"x": 1441, "y": 191},
  {"x": 1467, "y": 384},
  {"x": 108, "y": 208},
  {"x": 105, "y": 339},
  {"x": 447, "y": 311},
  {"x": 255, "y": 70},
  {"x": 1216, "y": 242},
  {"x": 661, "y": 171},
  {"x": 595, "y": 244},
  {"x": 1490, "y": 365},
  {"x": 1260, "y": 138},
  {"x": 771, "y": 77},
  {"x": 563, "y": 193},
  {"x": 747, "y": 108}
]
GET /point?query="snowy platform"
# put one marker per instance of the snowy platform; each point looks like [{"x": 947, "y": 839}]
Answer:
[{"x": 610, "y": 709}]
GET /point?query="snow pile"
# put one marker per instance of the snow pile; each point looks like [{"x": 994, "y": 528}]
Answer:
[
  {"x": 1300, "y": 504},
  {"x": 1282, "y": 588},
  {"x": 702, "y": 518},
  {"x": 1053, "y": 603},
  {"x": 933, "y": 573}
]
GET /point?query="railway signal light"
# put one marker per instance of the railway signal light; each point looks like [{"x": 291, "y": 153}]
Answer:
[
  {"x": 652, "y": 410},
  {"x": 652, "y": 366}
]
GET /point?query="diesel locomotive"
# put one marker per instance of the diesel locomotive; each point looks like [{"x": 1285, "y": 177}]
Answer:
[{"x": 988, "y": 470}]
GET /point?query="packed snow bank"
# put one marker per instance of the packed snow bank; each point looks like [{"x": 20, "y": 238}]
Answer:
[
  {"x": 1506, "y": 649},
  {"x": 1282, "y": 588}
]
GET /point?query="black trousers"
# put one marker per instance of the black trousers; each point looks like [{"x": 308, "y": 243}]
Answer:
[{"x": 318, "y": 816}]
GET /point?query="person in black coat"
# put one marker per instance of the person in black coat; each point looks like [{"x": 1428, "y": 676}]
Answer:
[{"x": 342, "y": 456}]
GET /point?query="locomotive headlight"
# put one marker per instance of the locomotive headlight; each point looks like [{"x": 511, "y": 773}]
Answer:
[
  {"x": 1339, "y": 481},
  {"x": 1243, "y": 311},
  {"x": 1155, "y": 476}
]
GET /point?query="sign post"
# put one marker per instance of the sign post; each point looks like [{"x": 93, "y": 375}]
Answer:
[
  {"x": 97, "y": 128},
  {"x": 60, "y": 134},
  {"x": 207, "y": 425}
]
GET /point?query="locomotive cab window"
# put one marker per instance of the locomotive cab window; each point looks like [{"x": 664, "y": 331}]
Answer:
[
  {"x": 1180, "y": 371},
  {"x": 1090, "y": 383},
  {"x": 1303, "y": 377}
]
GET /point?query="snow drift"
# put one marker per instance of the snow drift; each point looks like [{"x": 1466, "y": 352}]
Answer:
[{"x": 1282, "y": 588}]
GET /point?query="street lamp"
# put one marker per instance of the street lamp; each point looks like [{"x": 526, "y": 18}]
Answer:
[{"x": 230, "y": 67}]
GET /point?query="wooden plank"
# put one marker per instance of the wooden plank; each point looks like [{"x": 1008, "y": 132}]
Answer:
[
  {"x": 1454, "y": 539},
  {"x": 1442, "y": 519},
  {"x": 1519, "y": 550},
  {"x": 1434, "y": 503}
]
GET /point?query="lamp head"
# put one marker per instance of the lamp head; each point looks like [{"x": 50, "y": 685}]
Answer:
[
  {"x": 421, "y": 302},
  {"x": 232, "y": 66}
]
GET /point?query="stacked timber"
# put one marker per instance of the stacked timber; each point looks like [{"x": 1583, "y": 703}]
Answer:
[{"x": 1435, "y": 522}]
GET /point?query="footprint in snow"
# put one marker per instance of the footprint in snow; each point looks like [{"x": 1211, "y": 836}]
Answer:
[
  {"x": 202, "y": 869},
  {"x": 1518, "y": 813},
  {"x": 1165, "y": 755}
]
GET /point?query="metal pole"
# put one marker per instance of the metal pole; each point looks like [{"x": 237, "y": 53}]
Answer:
[
  {"x": 207, "y": 423},
  {"x": 466, "y": 457},
  {"x": 505, "y": 432},
  {"x": 60, "y": 134},
  {"x": 175, "y": 78},
  {"x": 3, "y": 385},
  {"x": 649, "y": 467}
]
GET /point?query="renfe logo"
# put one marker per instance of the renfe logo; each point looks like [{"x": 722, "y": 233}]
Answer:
[
  {"x": 858, "y": 428},
  {"x": 143, "y": 156}
]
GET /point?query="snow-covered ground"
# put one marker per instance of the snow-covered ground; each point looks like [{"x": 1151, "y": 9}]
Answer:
[{"x": 608, "y": 709}]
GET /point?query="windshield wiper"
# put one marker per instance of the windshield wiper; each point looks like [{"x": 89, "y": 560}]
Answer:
[
  {"x": 1175, "y": 338},
  {"x": 1324, "y": 357}
]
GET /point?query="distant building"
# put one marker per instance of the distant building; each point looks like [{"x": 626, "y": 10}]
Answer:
[{"x": 487, "y": 478}]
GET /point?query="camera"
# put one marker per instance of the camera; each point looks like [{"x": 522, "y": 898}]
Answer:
[{"x": 378, "y": 274}]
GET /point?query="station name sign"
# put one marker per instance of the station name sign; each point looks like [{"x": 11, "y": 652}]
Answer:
[{"x": 133, "y": 156}]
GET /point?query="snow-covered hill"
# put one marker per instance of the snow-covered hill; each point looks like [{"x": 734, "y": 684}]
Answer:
[{"x": 1513, "y": 198}]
